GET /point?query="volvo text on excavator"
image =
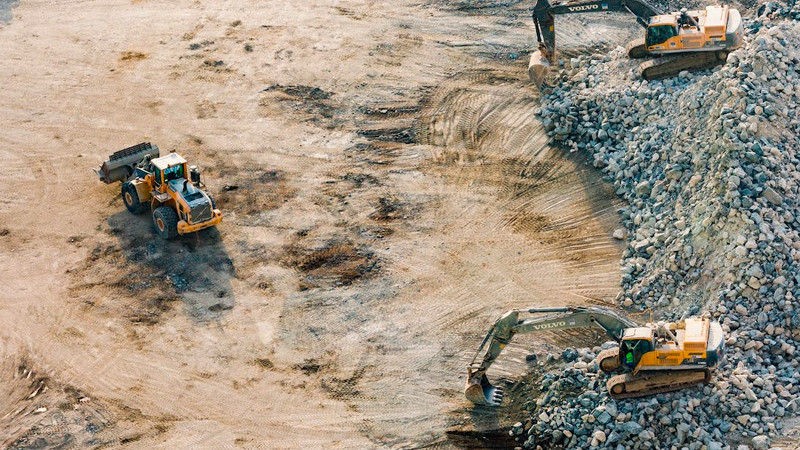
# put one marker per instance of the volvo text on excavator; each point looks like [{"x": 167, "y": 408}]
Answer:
[
  {"x": 685, "y": 40},
  {"x": 650, "y": 359}
]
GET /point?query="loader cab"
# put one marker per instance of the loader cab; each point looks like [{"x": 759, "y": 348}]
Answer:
[
  {"x": 660, "y": 30},
  {"x": 168, "y": 168},
  {"x": 635, "y": 343}
]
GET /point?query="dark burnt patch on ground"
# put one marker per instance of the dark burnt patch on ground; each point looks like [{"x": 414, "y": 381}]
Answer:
[
  {"x": 401, "y": 135},
  {"x": 390, "y": 111},
  {"x": 375, "y": 153},
  {"x": 317, "y": 104},
  {"x": 360, "y": 180},
  {"x": 343, "y": 388},
  {"x": 389, "y": 209},
  {"x": 335, "y": 262}
]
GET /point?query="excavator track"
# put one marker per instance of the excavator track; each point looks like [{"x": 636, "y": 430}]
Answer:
[
  {"x": 630, "y": 386},
  {"x": 636, "y": 49},
  {"x": 665, "y": 67},
  {"x": 608, "y": 360}
]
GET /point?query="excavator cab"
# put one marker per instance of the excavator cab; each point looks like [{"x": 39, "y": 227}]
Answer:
[
  {"x": 635, "y": 343},
  {"x": 658, "y": 34}
]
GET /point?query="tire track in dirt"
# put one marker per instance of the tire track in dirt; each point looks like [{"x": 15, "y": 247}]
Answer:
[
  {"x": 503, "y": 220},
  {"x": 321, "y": 179}
]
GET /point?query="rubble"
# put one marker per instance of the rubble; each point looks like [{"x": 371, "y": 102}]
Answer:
[{"x": 709, "y": 167}]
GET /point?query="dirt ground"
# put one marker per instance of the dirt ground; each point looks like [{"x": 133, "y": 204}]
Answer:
[{"x": 387, "y": 191}]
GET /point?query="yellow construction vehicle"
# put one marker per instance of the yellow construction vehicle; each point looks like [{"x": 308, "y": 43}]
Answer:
[
  {"x": 690, "y": 40},
  {"x": 160, "y": 184},
  {"x": 653, "y": 358}
]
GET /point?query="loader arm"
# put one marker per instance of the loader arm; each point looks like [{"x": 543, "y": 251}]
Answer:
[
  {"x": 544, "y": 13},
  {"x": 481, "y": 392}
]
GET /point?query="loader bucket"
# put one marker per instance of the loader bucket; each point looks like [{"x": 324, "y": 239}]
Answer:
[
  {"x": 480, "y": 391},
  {"x": 121, "y": 164},
  {"x": 538, "y": 68}
]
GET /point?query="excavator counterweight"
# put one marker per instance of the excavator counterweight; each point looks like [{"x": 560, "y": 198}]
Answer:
[{"x": 657, "y": 357}]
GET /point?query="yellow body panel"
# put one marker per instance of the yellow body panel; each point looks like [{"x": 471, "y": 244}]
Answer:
[
  {"x": 142, "y": 190},
  {"x": 184, "y": 227},
  {"x": 149, "y": 190},
  {"x": 708, "y": 34},
  {"x": 695, "y": 335},
  {"x": 665, "y": 359},
  {"x": 690, "y": 344}
]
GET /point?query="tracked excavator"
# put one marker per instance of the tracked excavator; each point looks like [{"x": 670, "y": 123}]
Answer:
[
  {"x": 684, "y": 40},
  {"x": 649, "y": 359}
]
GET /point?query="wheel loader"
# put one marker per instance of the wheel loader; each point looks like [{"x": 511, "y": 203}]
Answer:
[
  {"x": 160, "y": 184},
  {"x": 649, "y": 359},
  {"x": 684, "y": 40}
]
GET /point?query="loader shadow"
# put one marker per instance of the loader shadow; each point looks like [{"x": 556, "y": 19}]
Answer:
[{"x": 195, "y": 269}]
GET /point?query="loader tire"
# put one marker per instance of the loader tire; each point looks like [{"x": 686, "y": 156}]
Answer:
[
  {"x": 131, "y": 199},
  {"x": 165, "y": 220}
]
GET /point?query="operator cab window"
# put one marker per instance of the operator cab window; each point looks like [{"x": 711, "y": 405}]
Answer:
[
  {"x": 633, "y": 349},
  {"x": 173, "y": 173},
  {"x": 157, "y": 175},
  {"x": 659, "y": 34}
]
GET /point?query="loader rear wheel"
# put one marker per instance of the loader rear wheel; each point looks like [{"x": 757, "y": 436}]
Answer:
[
  {"x": 131, "y": 199},
  {"x": 166, "y": 221}
]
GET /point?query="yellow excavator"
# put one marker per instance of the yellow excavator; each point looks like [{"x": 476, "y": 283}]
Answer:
[
  {"x": 650, "y": 359},
  {"x": 684, "y": 40}
]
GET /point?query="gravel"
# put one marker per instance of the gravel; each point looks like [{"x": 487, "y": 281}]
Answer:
[{"x": 709, "y": 167}]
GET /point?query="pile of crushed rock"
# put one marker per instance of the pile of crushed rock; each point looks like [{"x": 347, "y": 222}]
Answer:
[{"x": 709, "y": 166}]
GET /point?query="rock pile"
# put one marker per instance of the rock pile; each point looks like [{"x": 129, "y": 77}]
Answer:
[{"x": 709, "y": 165}]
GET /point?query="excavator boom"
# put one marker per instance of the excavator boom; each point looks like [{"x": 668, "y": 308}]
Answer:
[
  {"x": 544, "y": 13},
  {"x": 481, "y": 392},
  {"x": 694, "y": 39}
]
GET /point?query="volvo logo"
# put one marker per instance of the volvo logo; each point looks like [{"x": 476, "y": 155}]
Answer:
[
  {"x": 583, "y": 8},
  {"x": 545, "y": 326}
]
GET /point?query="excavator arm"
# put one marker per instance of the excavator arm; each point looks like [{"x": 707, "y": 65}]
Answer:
[
  {"x": 481, "y": 392},
  {"x": 544, "y": 14}
]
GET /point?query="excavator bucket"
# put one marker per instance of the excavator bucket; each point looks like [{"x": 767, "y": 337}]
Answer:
[
  {"x": 538, "y": 68},
  {"x": 121, "y": 164},
  {"x": 481, "y": 392}
]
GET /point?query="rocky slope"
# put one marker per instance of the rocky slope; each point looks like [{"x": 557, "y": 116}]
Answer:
[{"x": 708, "y": 164}]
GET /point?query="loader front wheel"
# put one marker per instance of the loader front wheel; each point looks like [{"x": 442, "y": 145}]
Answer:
[
  {"x": 131, "y": 199},
  {"x": 166, "y": 221}
]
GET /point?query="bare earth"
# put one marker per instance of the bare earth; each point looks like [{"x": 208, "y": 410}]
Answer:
[{"x": 388, "y": 193}]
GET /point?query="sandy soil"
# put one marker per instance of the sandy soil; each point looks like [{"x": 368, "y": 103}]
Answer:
[{"x": 388, "y": 193}]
